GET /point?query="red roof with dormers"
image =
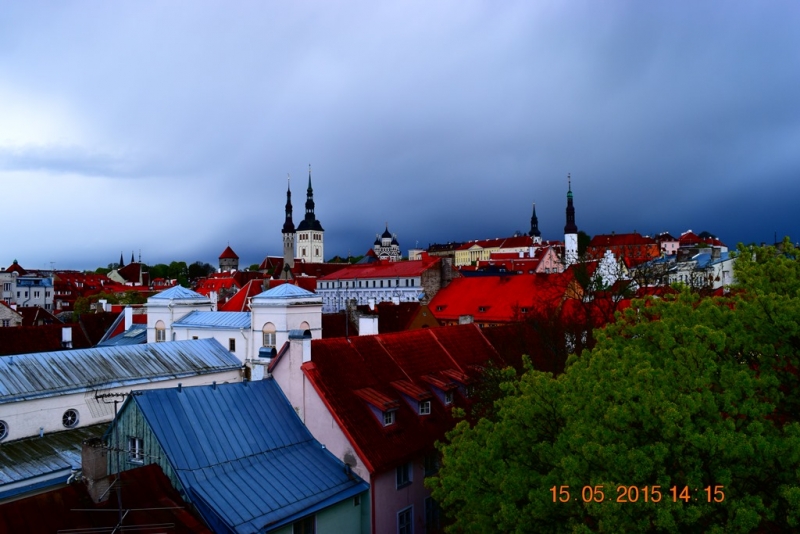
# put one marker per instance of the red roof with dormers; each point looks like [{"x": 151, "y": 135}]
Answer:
[
  {"x": 228, "y": 254},
  {"x": 385, "y": 269},
  {"x": 359, "y": 378},
  {"x": 207, "y": 286},
  {"x": 499, "y": 299}
]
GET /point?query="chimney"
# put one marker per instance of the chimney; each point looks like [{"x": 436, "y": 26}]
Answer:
[
  {"x": 368, "y": 325},
  {"x": 66, "y": 337},
  {"x": 396, "y": 301},
  {"x": 466, "y": 319},
  {"x": 715, "y": 253},
  {"x": 306, "y": 348},
  {"x": 371, "y": 302},
  {"x": 128, "y": 317},
  {"x": 94, "y": 465}
]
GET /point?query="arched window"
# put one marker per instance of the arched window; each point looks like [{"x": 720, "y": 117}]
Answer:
[
  {"x": 269, "y": 335},
  {"x": 304, "y": 326},
  {"x": 161, "y": 331}
]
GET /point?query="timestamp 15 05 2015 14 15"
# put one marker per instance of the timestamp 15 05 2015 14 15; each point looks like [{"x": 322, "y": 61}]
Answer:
[{"x": 629, "y": 494}]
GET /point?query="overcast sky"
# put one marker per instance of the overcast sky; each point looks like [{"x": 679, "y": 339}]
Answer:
[{"x": 170, "y": 127}]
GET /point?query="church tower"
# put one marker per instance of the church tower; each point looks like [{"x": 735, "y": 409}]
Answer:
[
  {"x": 535, "y": 233},
  {"x": 310, "y": 232},
  {"x": 288, "y": 238},
  {"x": 570, "y": 229}
]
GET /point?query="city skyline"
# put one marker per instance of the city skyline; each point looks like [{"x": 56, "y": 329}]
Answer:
[{"x": 169, "y": 129}]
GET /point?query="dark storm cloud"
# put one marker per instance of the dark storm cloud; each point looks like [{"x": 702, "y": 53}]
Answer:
[{"x": 445, "y": 120}]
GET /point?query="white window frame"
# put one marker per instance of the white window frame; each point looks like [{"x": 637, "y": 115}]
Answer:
[
  {"x": 389, "y": 418},
  {"x": 425, "y": 407},
  {"x": 448, "y": 398},
  {"x": 135, "y": 450}
]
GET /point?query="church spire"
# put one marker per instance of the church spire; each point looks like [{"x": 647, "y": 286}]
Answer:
[
  {"x": 121, "y": 262},
  {"x": 310, "y": 199},
  {"x": 570, "y": 227},
  {"x": 534, "y": 224},
  {"x": 288, "y": 225}
]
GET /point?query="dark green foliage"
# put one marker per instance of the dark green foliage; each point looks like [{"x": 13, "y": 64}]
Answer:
[{"x": 685, "y": 392}]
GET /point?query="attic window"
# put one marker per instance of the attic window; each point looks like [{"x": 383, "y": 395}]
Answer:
[
  {"x": 448, "y": 398},
  {"x": 524, "y": 310},
  {"x": 425, "y": 407},
  {"x": 135, "y": 450},
  {"x": 482, "y": 308},
  {"x": 388, "y": 418},
  {"x": 439, "y": 308}
]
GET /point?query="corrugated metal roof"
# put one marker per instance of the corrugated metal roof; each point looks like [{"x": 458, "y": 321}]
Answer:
[
  {"x": 209, "y": 319},
  {"x": 26, "y": 459},
  {"x": 178, "y": 293},
  {"x": 243, "y": 454},
  {"x": 43, "y": 374}
]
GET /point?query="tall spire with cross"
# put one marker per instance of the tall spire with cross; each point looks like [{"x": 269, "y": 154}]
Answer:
[
  {"x": 535, "y": 233},
  {"x": 570, "y": 229},
  {"x": 288, "y": 234}
]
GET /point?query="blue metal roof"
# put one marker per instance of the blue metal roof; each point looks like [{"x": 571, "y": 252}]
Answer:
[
  {"x": 284, "y": 291},
  {"x": 244, "y": 457},
  {"x": 209, "y": 319},
  {"x": 135, "y": 335},
  {"x": 43, "y": 374},
  {"x": 178, "y": 293},
  {"x": 39, "y": 462}
]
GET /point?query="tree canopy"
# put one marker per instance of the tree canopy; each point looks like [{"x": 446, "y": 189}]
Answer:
[{"x": 697, "y": 394}]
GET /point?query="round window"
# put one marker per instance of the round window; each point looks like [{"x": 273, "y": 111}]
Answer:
[
  {"x": 3, "y": 430},
  {"x": 70, "y": 418}
]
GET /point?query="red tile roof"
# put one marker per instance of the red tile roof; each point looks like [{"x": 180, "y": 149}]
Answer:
[
  {"x": 385, "y": 269},
  {"x": 499, "y": 299},
  {"x": 350, "y": 375},
  {"x": 228, "y": 254},
  {"x": 208, "y": 285},
  {"x": 499, "y": 242},
  {"x": 241, "y": 300}
]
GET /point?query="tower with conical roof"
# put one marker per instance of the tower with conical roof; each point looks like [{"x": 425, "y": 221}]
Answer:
[
  {"x": 535, "y": 233},
  {"x": 570, "y": 229},
  {"x": 228, "y": 260},
  {"x": 310, "y": 234},
  {"x": 288, "y": 237}
]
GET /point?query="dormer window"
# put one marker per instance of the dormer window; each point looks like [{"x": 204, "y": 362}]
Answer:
[
  {"x": 425, "y": 407},
  {"x": 448, "y": 398},
  {"x": 388, "y": 418}
]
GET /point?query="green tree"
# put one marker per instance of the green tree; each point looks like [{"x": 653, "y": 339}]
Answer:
[{"x": 684, "y": 392}]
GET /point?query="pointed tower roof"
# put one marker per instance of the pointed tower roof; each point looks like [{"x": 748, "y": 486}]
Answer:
[
  {"x": 133, "y": 258},
  {"x": 121, "y": 261},
  {"x": 288, "y": 224},
  {"x": 310, "y": 221},
  {"x": 386, "y": 233},
  {"x": 570, "y": 227},
  {"x": 228, "y": 254},
  {"x": 534, "y": 224}
]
